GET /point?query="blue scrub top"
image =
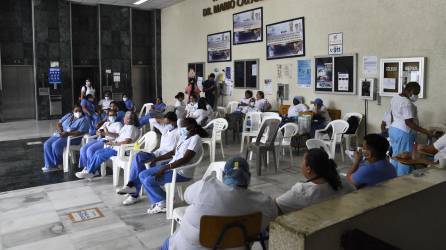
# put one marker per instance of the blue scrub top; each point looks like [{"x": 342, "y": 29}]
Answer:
[
  {"x": 70, "y": 124},
  {"x": 370, "y": 174},
  {"x": 90, "y": 106},
  {"x": 128, "y": 104},
  {"x": 159, "y": 107}
]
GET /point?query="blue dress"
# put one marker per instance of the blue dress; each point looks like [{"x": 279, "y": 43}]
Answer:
[{"x": 53, "y": 147}]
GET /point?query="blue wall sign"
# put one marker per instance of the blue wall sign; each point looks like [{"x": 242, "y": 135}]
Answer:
[{"x": 54, "y": 75}]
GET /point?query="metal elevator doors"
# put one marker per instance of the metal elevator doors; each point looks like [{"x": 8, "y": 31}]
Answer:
[{"x": 17, "y": 93}]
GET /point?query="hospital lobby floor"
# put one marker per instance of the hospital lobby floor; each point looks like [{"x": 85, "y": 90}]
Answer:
[{"x": 44, "y": 216}]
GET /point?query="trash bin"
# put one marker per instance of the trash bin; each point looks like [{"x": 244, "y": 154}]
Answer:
[{"x": 55, "y": 104}]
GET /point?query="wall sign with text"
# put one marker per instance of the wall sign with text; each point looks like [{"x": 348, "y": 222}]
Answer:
[{"x": 225, "y": 5}]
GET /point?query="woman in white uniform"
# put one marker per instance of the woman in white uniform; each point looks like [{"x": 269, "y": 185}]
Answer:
[
  {"x": 232, "y": 197},
  {"x": 261, "y": 104},
  {"x": 323, "y": 182},
  {"x": 201, "y": 114},
  {"x": 402, "y": 131},
  {"x": 296, "y": 108},
  {"x": 87, "y": 89}
]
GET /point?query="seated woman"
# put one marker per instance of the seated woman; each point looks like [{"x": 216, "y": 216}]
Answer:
[
  {"x": 201, "y": 114},
  {"x": 169, "y": 140},
  {"x": 156, "y": 111},
  {"x": 119, "y": 115},
  {"x": 296, "y": 108},
  {"x": 323, "y": 182},
  {"x": 232, "y": 197},
  {"x": 72, "y": 124},
  {"x": 105, "y": 103},
  {"x": 188, "y": 150},
  {"x": 129, "y": 133},
  {"x": 375, "y": 167},
  {"x": 438, "y": 148},
  {"x": 321, "y": 118},
  {"x": 128, "y": 103},
  {"x": 261, "y": 104},
  {"x": 107, "y": 132},
  {"x": 192, "y": 105}
]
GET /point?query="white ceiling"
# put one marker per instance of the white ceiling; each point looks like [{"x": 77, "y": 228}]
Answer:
[{"x": 150, "y": 4}]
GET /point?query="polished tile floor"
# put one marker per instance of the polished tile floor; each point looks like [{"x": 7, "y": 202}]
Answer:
[
  {"x": 37, "y": 217},
  {"x": 26, "y": 129}
]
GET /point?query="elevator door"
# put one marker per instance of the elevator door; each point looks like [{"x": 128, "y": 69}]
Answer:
[
  {"x": 143, "y": 90},
  {"x": 17, "y": 93}
]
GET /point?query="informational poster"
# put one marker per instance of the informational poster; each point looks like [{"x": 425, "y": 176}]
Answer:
[
  {"x": 268, "y": 87},
  {"x": 248, "y": 26},
  {"x": 324, "y": 74},
  {"x": 219, "y": 47},
  {"x": 391, "y": 76},
  {"x": 335, "y": 43},
  {"x": 54, "y": 75},
  {"x": 367, "y": 89},
  {"x": 285, "y": 39},
  {"x": 370, "y": 66},
  {"x": 284, "y": 71},
  {"x": 116, "y": 77},
  {"x": 254, "y": 70},
  {"x": 304, "y": 73},
  {"x": 343, "y": 81},
  {"x": 390, "y": 84},
  {"x": 228, "y": 74}
]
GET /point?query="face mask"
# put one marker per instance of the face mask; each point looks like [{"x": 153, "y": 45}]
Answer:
[
  {"x": 169, "y": 127},
  {"x": 112, "y": 119},
  {"x": 124, "y": 99},
  {"x": 77, "y": 115},
  {"x": 88, "y": 84},
  {"x": 184, "y": 132},
  {"x": 107, "y": 98},
  {"x": 413, "y": 98}
]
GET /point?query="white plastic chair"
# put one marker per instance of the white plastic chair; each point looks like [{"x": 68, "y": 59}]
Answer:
[
  {"x": 68, "y": 152},
  {"x": 231, "y": 107},
  {"x": 284, "y": 135},
  {"x": 316, "y": 143},
  {"x": 178, "y": 213},
  {"x": 269, "y": 114},
  {"x": 339, "y": 127},
  {"x": 145, "y": 109},
  {"x": 147, "y": 142},
  {"x": 348, "y": 137},
  {"x": 180, "y": 187},
  {"x": 219, "y": 125},
  {"x": 252, "y": 129}
]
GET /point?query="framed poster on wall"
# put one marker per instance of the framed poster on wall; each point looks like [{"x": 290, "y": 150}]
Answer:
[
  {"x": 248, "y": 26},
  {"x": 285, "y": 39},
  {"x": 395, "y": 73},
  {"x": 323, "y": 74},
  {"x": 219, "y": 47},
  {"x": 367, "y": 89}
]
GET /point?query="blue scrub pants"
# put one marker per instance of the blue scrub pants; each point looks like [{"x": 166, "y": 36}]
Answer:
[
  {"x": 137, "y": 167},
  {"x": 100, "y": 156},
  {"x": 53, "y": 150},
  {"x": 401, "y": 141},
  {"x": 153, "y": 185},
  {"x": 144, "y": 120},
  {"x": 165, "y": 245},
  {"x": 88, "y": 150}
]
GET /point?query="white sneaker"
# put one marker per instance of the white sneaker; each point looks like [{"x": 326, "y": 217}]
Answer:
[
  {"x": 158, "y": 208},
  {"x": 126, "y": 190},
  {"x": 84, "y": 174},
  {"x": 130, "y": 200},
  {"x": 47, "y": 169}
]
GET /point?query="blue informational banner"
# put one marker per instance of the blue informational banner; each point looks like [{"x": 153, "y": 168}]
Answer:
[
  {"x": 54, "y": 75},
  {"x": 304, "y": 73}
]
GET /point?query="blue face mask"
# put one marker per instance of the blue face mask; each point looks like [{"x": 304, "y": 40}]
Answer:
[
  {"x": 184, "y": 132},
  {"x": 169, "y": 127},
  {"x": 112, "y": 119}
]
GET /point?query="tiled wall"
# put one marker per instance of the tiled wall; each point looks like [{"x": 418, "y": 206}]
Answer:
[{"x": 85, "y": 34}]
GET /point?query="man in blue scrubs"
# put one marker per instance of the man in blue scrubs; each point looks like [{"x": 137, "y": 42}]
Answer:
[
  {"x": 371, "y": 165},
  {"x": 72, "y": 124}
]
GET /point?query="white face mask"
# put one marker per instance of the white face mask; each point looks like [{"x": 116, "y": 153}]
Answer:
[
  {"x": 107, "y": 98},
  {"x": 413, "y": 98},
  {"x": 184, "y": 133},
  {"x": 88, "y": 84},
  {"x": 124, "y": 99},
  {"x": 169, "y": 127},
  {"x": 77, "y": 114},
  {"x": 112, "y": 119}
]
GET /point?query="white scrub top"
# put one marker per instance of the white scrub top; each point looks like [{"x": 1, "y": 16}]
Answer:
[
  {"x": 128, "y": 132},
  {"x": 105, "y": 104},
  {"x": 440, "y": 145},
  {"x": 294, "y": 110},
  {"x": 114, "y": 127},
  {"x": 88, "y": 90},
  {"x": 213, "y": 197},
  {"x": 324, "y": 113},
  {"x": 387, "y": 119},
  {"x": 261, "y": 105},
  {"x": 179, "y": 103},
  {"x": 169, "y": 138},
  {"x": 192, "y": 143},
  {"x": 190, "y": 108},
  {"x": 304, "y": 194},
  {"x": 200, "y": 115},
  {"x": 402, "y": 109}
]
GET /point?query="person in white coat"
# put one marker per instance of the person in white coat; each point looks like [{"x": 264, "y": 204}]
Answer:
[{"x": 232, "y": 197}]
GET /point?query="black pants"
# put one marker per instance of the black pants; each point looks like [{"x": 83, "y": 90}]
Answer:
[{"x": 210, "y": 98}]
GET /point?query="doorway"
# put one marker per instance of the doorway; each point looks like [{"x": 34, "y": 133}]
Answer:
[
  {"x": 17, "y": 93},
  {"x": 80, "y": 73},
  {"x": 144, "y": 91}
]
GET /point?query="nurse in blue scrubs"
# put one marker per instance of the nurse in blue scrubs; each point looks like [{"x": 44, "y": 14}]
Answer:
[
  {"x": 156, "y": 112},
  {"x": 128, "y": 103},
  {"x": 72, "y": 124},
  {"x": 404, "y": 124},
  {"x": 88, "y": 107}
]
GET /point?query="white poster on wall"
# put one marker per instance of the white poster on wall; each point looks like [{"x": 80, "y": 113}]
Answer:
[
  {"x": 254, "y": 70},
  {"x": 370, "y": 66},
  {"x": 268, "y": 87},
  {"x": 343, "y": 82}
]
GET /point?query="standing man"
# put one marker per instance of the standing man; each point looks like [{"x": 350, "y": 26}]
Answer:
[
  {"x": 209, "y": 89},
  {"x": 404, "y": 126}
]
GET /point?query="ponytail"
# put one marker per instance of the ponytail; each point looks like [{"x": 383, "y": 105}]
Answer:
[{"x": 324, "y": 167}]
